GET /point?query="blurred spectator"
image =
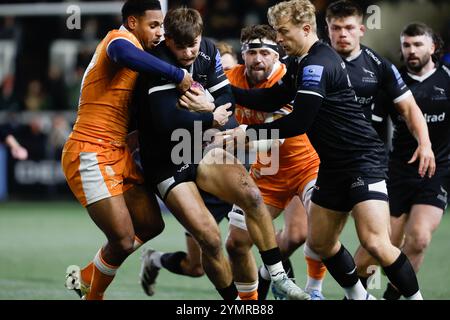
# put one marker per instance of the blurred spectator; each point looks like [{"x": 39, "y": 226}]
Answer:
[
  {"x": 446, "y": 46},
  {"x": 57, "y": 137},
  {"x": 199, "y": 5},
  {"x": 33, "y": 139},
  {"x": 35, "y": 97},
  {"x": 257, "y": 12},
  {"x": 57, "y": 89},
  {"x": 228, "y": 56},
  {"x": 222, "y": 21},
  {"x": 7, "y": 98},
  {"x": 9, "y": 28}
]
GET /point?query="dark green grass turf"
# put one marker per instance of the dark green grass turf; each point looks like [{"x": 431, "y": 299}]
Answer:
[{"x": 39, "y": 240}]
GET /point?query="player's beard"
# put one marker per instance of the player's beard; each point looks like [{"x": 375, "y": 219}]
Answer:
[
  {"x": 257, "y": 76},
  {"x": 418, "y": 64}
]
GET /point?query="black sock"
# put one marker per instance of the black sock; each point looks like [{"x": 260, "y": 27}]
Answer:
[
  {"x": 172, "y": 261},
  {"x": 401, "y": 274},
  {"x": 363, "y": 281},
  {"x": 229, "y": 293},
  {"x": 287, "y": 265},
  {"x": 271, "y": 257},
  {"x": 391, "y": 293},
  {"x": 342, "y": 268},
  {"x": 263, "y": 286}
]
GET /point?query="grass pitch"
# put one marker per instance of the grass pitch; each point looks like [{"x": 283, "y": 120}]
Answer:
[{"x": 38, "y": 240}]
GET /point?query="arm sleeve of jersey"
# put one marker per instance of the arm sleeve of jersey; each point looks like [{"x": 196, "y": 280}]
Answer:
[
  {"x": 312, "y": 78},
  {"x": 295, "y": 123},
  {"x": 266, "y": 99},
  {"x": 393, "y": 82},
  {"x": 216, "y": 76},
  {"x": 218, "y": 84},
  {"x": 128, "y": 55}
]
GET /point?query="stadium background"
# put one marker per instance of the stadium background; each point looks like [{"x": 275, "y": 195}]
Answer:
[{"x": 42, "y": 228}]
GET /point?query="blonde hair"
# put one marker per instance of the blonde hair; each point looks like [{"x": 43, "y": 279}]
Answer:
[{"x": 297, "y": 11}]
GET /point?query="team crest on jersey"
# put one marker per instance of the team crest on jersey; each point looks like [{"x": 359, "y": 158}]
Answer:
[
  {"x": 439, "y": 94},
  {"x": 369, "y": 76},
  {"x": 312, "y": 75}
]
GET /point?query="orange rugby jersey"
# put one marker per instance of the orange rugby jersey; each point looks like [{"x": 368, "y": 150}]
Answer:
[
  {"x": 294, "y": 150},
  {"x": 106, "y": 91}
]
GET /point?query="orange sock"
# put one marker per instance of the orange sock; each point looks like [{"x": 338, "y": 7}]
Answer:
[
  {"x": 252, "y": 295},
  {"x": 86, "y": 274},
  {"x": 101, "y": 278},
  {"x": 247, "y": 291},
  {"x": 316, "y": 269}
]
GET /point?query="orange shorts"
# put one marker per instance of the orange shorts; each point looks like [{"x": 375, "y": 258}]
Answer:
[
  {"x": 95, "y": 172},
  {"x": 278, "y": 190}
]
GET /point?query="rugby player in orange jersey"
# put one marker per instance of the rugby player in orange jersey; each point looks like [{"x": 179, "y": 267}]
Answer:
[
  {"x": 96, "y": 162},
  {"x": 294, "y": 179}
]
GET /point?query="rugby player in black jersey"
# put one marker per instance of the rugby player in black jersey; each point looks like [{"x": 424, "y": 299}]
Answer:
[
  {"x": 218, "y": 172},
  {"x": 353, "y": 166},
  {"x": 417, "y": 203},
  {"x": 369, "y": 73}
]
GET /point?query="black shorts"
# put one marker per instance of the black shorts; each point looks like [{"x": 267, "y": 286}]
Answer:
[
  {"x": 341, "y": 192},
  {"x": 218, "y": 208},
  {"x": 406, "y": 191},
  {"x": 177, "y": 175}
]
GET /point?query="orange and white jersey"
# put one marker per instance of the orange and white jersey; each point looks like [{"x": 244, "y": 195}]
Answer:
[
  {"x": 237, "y": 78},
  {"x": 106, "y": 92},
  {"x": 294, "y": 150}
]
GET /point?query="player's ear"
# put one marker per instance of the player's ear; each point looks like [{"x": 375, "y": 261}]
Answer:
[
  {"x": 362, "y": 29},
  {"x": 132, "y": 22},
  {"x": 306, "y": 29}
]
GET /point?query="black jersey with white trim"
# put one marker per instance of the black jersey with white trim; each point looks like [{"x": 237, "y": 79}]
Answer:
[
  {"x": 158, "y": 115},
  {"x": 370, "y": 72},
  {"x": 340, "y": 133},
  {"x": 432, "y": 94},
  {"x": 325, "y": 108}
]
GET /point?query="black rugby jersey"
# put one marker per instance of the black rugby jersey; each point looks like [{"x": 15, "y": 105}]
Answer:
[
  {"x": 158, "y": 114},
  {"x": 338, "y": 130},
  {"x": 432, "y": 93},
  {"x": 369, "y": 72}
]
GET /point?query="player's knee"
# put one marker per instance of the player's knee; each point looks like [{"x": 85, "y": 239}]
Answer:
[
  {"x": 321, "y": 246},
  {"x": 236, "y": 247},
  {"x": 124, "y": 245},
  {"x": 296, "y": 239},
  {"x": 196, "y": 271},
  {"x": 375, "y": 246},
  {"x": 210, "y": 242},
  {"x": 151, "y": 230},
  {"x": 418, "y": 241},
  {"x": 250, "y": 199}
]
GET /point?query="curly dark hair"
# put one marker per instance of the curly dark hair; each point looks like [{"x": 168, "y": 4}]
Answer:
[{"x": 260, "y": 31}]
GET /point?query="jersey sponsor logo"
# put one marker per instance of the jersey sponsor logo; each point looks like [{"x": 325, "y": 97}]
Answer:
[
  {"x": 398, "y": 76},
  {"x": 183, "y": 168},
  {"x": 204, "y": 56},
  {"x": 364, "y": 100},
  {"x": 443, "y": 196},
  {"x": 374, "y": 58},
  {"x": 434, "y": 117},
  {"x": 312, "y": 75},
  {"x": 358, "y": 183}
]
